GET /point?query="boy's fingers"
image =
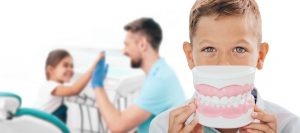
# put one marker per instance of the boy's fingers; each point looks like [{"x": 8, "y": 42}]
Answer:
[
  {"x": 257, "y": 109},
  {"x": 259, "y": 127},
  {"x": 187, "y": 112},
  {"x": 192, "y": 127},
  {"x": 253, "y": 131},
  {"x": 264, "y": 117},
  {"x": 174, "y": 113}
]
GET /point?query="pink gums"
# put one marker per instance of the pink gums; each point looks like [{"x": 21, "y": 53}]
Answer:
[
  {"x": 232, "y": 90},
  {"x": 226, "y": 112},
  {"x": 230, "y": 112}
]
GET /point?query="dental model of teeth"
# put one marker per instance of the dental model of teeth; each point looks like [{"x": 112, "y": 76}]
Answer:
[{"x": 223, "y": 95}]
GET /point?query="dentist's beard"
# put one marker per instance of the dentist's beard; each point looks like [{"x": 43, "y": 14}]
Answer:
[{"x": 137, "y": 63}]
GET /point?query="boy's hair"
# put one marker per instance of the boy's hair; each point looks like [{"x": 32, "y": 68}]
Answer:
[
  {"x": 54, "y": 57},
  {"x": 149, "y": 28},
  {"x": 244, "y": 8}
]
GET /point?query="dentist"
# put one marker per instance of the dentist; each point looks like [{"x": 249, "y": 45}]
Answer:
[{"x": 161, "y": 89}]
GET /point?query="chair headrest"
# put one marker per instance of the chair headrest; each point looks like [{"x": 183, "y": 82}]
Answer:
[{"x": 9, "y": 104}]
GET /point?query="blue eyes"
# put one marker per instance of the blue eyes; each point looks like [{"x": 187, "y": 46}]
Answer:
[
  {"x": 239, "y": 50},
  {"x": 209, "y": 49}
]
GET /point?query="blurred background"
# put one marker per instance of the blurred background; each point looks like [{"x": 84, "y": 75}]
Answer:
[{"x": 30, "y": 29}]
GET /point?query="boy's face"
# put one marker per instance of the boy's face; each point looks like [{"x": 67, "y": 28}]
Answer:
[{"x": 226, "y": 40}]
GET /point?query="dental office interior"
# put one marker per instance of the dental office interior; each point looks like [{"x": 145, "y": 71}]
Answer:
[{"x": 30, "y": 29}]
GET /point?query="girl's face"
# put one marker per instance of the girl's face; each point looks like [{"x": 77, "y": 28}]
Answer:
[
  {"x": 63, "y": 71},
  {"x": 225, "y": 41}
]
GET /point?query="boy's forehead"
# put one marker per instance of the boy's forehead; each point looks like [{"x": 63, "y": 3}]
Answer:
[{"x": 225, "y": 29}]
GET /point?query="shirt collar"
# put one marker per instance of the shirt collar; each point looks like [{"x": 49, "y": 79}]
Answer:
[{"x": 156, "y": 66}]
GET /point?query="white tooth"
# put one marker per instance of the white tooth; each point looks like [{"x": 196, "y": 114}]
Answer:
[
  {"x": 239, "y": 97},
  {"x": 235, "y": 103},
  {"x": 249, "y": 97},
  {"x": 201, "y": 96},
  {"x": 224, "y": 100},
  {"x": 242, "y": 101},
  {"x": 234, "y": 99},
  {"x": 230, "y": 100},
  {"x": 203, "y": 100},
  {"x": 245, "y": 96},
  {"x": 215, "y": 99},
  {"x": 209, "y": 101},
  {"x": 206, "y": 100}
]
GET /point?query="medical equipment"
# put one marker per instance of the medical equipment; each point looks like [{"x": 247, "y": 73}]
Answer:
[
  {"x": 122, "y": 86},
  {"x": 14, "y": 119}
]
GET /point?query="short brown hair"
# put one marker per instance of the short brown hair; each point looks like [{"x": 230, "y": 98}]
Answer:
[
  {"x": 149, "y": 28},
  {"x": 54, "y": 57},
  {"x": 224, "y": 8}
]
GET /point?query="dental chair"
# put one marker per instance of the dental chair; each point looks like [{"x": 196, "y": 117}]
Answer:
[{"x": 14, "y": 119}]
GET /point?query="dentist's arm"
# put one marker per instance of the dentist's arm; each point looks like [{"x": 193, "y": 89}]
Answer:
[
  {"x": 116, "y": 120},
  {"x": 119, "y": 121},
  {"x": 79, "y": 85}
]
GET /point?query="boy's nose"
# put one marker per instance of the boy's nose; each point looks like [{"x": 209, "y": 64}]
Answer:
[{"x": 223, "y": 60}]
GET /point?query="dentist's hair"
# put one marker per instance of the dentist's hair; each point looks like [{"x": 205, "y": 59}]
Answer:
[
  {"x": 54, "y": 57},
  {"x": 223, "y": 8},
  {"x": 149, "y": 28}
]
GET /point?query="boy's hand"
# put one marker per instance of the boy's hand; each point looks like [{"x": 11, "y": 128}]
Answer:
[
  {"x": 99, "y": 73},
  {"x": 178, "y": 117},
  {"x": 268, "y": 123}
]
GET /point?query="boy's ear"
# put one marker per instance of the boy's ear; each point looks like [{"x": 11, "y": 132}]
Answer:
[
  {"x": 263, "y": 51},
  {"x": 187, "y": 48}
]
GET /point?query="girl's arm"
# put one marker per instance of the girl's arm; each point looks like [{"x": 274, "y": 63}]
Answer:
[{"x": 79, "y": 85}]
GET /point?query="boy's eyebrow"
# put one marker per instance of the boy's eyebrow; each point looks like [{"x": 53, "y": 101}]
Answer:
[
  {"x": 206, "y": 42},
  {"x": 243, "y": 41}
]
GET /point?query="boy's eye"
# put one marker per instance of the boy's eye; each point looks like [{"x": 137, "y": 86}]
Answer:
[
  {"x": 239, "y": 50},
  {"x": 209, "y": 49}
]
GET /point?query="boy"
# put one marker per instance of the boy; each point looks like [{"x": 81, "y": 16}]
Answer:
[{"x": 227, "y": 32}]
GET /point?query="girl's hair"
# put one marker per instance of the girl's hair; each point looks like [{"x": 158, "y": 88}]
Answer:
[{"x": 54, "y": 57}]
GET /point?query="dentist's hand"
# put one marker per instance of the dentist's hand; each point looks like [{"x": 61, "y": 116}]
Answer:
[
  {"x": 99, "y": 73},
  {"x": 268, "y": 123},
  {"x": 178, "y": 117}
]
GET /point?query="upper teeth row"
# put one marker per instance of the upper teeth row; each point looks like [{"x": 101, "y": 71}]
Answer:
[{"x": 225, "y": 101}]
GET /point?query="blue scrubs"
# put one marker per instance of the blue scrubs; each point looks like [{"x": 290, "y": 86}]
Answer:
[{"x": 160, "y": 92}]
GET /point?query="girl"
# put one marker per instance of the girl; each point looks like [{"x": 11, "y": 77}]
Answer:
[{"x": 59, "y": 71}]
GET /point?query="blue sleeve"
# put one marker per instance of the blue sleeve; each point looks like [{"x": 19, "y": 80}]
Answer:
[{"x": 154, "y": 96}]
